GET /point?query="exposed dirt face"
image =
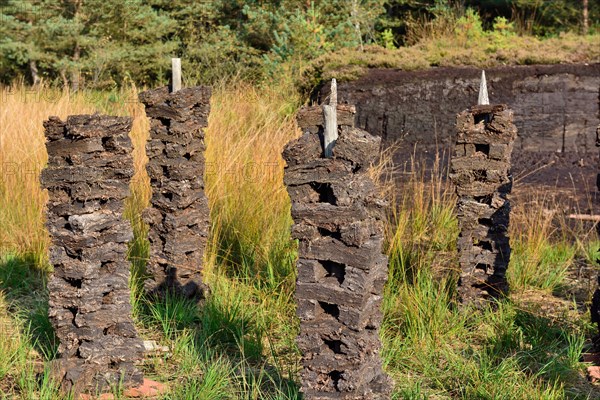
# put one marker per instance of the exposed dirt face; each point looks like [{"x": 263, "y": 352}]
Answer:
[
  {"x": 568, "y": 180},
  {"x": 556, "y": 110}
]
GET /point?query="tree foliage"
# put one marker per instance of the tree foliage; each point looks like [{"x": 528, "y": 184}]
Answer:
[{"x": 104, "y": 43}]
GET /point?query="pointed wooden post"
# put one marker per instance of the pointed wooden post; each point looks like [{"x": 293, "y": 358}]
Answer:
[
  {"x": 333, "y": 95},
  {"x": 330, "y": 133},
  {"x": 176, "y": 74},
  {"x": 483, "y": 100}
]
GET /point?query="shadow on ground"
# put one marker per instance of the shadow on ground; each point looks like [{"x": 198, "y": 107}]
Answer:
[
  {"x": 24, "y": 287},
  {"x": 217, "y": 343}
]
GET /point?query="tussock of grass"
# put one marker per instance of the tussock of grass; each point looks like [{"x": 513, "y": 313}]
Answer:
[
  {"x": 26, "y": 337},
  {"x": 423, "y": 229},
  {"x": 248, "y": 129},
  {"x": 11, "y": 344},
  {"x": 527, "y": 347},
  {"x": 547, "y": 247}
]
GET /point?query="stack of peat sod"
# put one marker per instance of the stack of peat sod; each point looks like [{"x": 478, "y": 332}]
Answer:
[
  {"x": 89, "y": 169},
  {"x": 480, "y": 169},
  {"x": 341, "y": 269},
  {"x": 179, "y": 215}
]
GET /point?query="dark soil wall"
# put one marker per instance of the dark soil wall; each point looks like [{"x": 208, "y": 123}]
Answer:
[
  {"x": 556, "y": 106},
  {"x": 556, "y": 110}
]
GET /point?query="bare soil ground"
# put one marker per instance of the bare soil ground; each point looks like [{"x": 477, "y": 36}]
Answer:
[{"x": 566, "y": 180}]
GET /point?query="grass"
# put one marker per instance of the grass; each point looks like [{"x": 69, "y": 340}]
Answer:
[
  {"x": 523, "y": 349},
  {"x": 484, "y": 50},
  {"x": 239, "y": 343},
  {"x": 249, "y": 204}
]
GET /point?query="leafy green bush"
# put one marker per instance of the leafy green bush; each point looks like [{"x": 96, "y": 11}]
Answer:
[
  {"x": 386, "y": 39},
  {"x": 469, "y": 26}
]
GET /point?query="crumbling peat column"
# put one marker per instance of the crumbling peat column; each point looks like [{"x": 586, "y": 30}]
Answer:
[
  {"x": 178, "y": 217},
  {"x": 341, "y": 269},
  {"x": 480, "y": 170},
  {"x": 87, "y": 178}
]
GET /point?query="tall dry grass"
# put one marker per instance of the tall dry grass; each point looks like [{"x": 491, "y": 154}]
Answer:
[
  {"x": 542, "y": 251},
  {"x": 248, "y": 128},
  {"x": 23, "y": 155}
]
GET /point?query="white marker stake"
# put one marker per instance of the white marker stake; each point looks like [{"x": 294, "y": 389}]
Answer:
[
  {"x": 330, "y": 133},
  {"x": 176, "y": 74},
  {"x": 333, "y": 94},
  {"x": 483, "y": 100}
]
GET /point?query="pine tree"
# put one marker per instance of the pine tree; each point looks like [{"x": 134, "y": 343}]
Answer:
[
  {"x": 20, "y": 35},
  {"x": 102, "y": 42},
  {"x": 132, "y": 40}
]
